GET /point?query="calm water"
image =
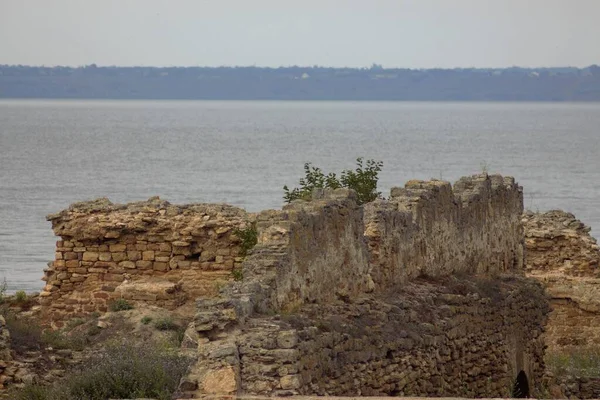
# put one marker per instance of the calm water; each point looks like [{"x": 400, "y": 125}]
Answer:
[{"x": 53, "y": 153}]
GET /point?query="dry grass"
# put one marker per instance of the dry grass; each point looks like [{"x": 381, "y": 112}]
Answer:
[{"x": 581, "y": 362}]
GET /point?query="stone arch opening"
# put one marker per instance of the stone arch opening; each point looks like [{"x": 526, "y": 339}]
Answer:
[{"x": 521, "y": 387}]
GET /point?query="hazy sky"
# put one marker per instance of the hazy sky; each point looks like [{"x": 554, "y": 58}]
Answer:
[{"x": 395, "y": 33}]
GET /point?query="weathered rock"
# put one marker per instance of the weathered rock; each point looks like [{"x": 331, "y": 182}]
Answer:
[
  {"x": 566, "y": 259},
  {"x": 123, "y": 247}
]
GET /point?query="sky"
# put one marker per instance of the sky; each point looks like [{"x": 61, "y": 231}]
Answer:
[{"x": 353, "y": 33}]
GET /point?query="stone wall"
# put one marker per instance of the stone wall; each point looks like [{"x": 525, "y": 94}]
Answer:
[
  {"x": 573, "y": 387},
  {"x": 148, "y": 251},
  {"x": 335, "y": 298},
  {"x": 311, "y": 251},
  {"x": 430, "y": 228},
  {"x": 566, "y": 259},
  {"x": 461, "y": 337},
  {"x": 5, "y": 355},
  {"x": 310, "y": 317}
]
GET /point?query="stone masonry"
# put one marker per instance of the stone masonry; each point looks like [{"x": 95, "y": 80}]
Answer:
[
  {"x": 430, "y": 228},
  {"x": 318, "y": 317},
  {"x": 421, "y": 294},
  {"x": 5, "y": 355},
  {"x": 566, "y": 259},
  {"x": 149, "y": 251}
]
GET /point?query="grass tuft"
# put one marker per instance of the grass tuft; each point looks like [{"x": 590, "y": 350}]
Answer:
[{"x": 120, "y": 305}]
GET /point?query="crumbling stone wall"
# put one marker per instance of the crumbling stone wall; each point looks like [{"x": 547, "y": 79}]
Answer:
[
  {"x": 311, "y": 251},
  {"x": 329, "y": 302},
  {"x": 462, "y": 337},
  {"x": 389, "y": 336},
  {"x": 566, "y": 259},
  {"x": 576, "y": 387},
  {"x": 148, "y": 251},
  {"x": 5, "y": 356},
  {"x": 433, "y": 229},
  {"x": 427, "y": 338}
]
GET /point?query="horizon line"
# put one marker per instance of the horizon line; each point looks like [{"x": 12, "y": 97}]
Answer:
[{"x": 374, "y": 66}]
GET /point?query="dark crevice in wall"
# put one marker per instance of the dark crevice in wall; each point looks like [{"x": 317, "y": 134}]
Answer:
[{"x": 521, "y": 386}]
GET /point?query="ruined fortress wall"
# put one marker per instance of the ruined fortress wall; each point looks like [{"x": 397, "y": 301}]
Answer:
[
  {"x": 430, "y": 228},
  {"x": 148, "y": 251},
  {"x": 307, "y": 252},
  {"x": 302, "y": 321},
  {"x": 311, "y": 251},
  {"x": 458, "y": 337},
  {"x": 6, "y": 372},
  {"x": 566, "y": 259},
  {"x": 328, "y": 302}
]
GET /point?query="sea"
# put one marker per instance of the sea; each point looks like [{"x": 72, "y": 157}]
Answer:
[{"x": 57, "y": 152}]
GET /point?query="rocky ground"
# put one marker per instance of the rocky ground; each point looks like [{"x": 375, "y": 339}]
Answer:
[{"x": 38, "y": 355}]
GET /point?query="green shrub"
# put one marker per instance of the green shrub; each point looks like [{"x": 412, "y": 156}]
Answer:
[
  {"x": 118, "y": 372},
  {"x": 120, "y": 305},
  {"x": 20, "y": 296},
  {"x": 146, "y": 320},
  {"x": 74, "y": 322},
  {"x": 39, "y": 392},
  {"x": 178, "y": 336},
  {"x": 237, "y": 274},
  {"x": 94, "y": 330},
  {"x": 3, "y": 288},
  {"x": 166, "y": 324},
  {"x": 248, "y": 237},
  {"x": 60, "y": 340},
  {"x": 26, "y": 335},
  {"x": 363, "y": 180}
]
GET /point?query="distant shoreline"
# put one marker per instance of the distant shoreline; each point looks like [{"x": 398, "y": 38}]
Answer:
[
  {"x": 232, "y": 100},
  {"x": 567, "y": 84}
]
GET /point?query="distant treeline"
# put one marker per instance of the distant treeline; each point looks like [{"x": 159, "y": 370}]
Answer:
[{"x": 301, "y": 83}]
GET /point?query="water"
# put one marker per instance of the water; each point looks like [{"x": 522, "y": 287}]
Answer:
[{"x": 53, "y": 153}]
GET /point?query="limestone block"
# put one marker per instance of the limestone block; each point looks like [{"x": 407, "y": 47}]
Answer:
[
  {"x": 287, "y": 339},
  {"x": 90, "y": 256},
  {"x": 127, "y": 264},
  {"x": 160, "y": 266},
  {"x": 119, "y": 256},
  {"x": 290, "y": 382},
  {"x": 221, "y": 381},
  {"x": 143, "y": 264},
  {"x": 118, "y": 248}
]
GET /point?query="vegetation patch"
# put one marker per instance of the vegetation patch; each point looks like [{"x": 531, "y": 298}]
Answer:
[
  {"x": 248, "y": 237},
  {"x": 237, "y": 274},
  {"x": 20, "y": 296},
  {"x": 580, "y": 362},
  {"x": 120, "y": 305},
  {"x": 166, "y": 324},
  {"x": 363, "y": 180},
  {"x": 27, "y": 335},
  {"x": 119, "y": 371}
]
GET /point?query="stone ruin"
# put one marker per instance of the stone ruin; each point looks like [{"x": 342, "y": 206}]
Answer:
[
  {"x": 566, "y": 259},
  {"x": 422, "y": 294},
  {"x": 563, "y": 256}
]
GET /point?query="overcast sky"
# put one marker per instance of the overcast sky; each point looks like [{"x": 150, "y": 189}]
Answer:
[{"x": 395, "y": 33}]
